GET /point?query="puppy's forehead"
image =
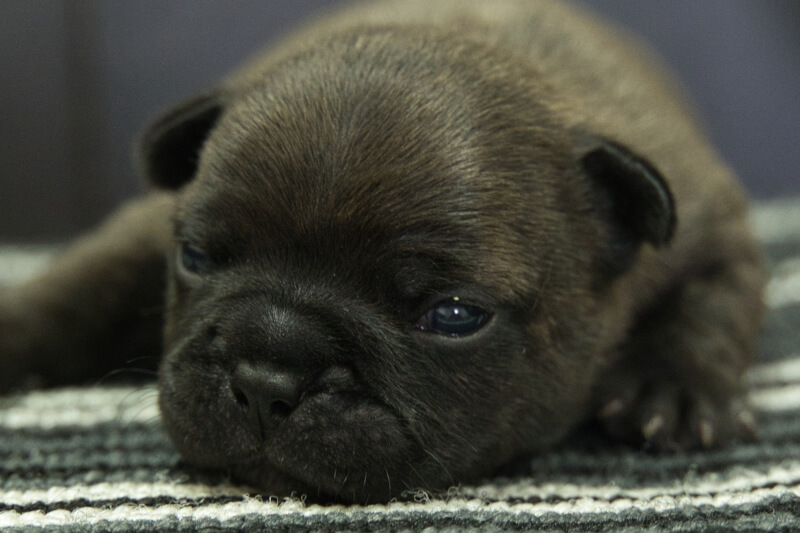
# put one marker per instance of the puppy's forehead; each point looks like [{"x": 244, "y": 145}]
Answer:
[{"x": 338, "y": 150}]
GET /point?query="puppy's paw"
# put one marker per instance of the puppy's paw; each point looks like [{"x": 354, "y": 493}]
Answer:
[{"x": 666, "y": 415}]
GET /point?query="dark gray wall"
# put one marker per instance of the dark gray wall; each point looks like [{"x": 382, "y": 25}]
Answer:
[{"x": 80, "y": 78}]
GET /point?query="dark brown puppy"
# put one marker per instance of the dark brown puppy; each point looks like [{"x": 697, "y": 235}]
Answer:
[{"x": 416, "y": 241}]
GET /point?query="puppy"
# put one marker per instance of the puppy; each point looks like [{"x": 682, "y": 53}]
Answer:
[{"x": 417, "y": 240}]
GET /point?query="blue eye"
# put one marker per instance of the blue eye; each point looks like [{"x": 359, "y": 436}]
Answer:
[
  {"x": 454, "y": 319},
  {"x": 193, "y": 260}
]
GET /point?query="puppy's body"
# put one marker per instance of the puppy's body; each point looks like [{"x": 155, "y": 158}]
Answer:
[{"x": 422, "y": 238}]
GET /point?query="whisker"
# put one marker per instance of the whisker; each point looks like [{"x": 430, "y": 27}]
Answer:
[
  {"x": 142, "y": 398},
  {"x": 142, "y": 358},
  {"x": 420, "y": 476},
  {"x": 127, "y": 370},
  {"x": 440, "y": 463}
]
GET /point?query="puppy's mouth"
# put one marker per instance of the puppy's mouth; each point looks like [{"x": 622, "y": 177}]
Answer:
[
  {"x": 344, "y": 445},
  {"x": 333, "y": 441}
]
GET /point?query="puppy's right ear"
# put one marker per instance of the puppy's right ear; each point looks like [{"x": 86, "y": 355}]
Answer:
[{"x": 168, "y": 151}]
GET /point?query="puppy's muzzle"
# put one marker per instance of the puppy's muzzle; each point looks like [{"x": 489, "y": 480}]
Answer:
[
  {"x": 278, "y": 357},
  {"x": 267, "y": 393},
  {"x": 282, "y": 393}
]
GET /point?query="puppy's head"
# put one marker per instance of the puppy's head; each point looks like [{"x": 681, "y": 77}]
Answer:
[{"x": 390, "y": 259}]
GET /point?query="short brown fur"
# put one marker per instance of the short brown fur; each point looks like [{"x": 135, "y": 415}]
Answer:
[{"x": 395, "y": 159}]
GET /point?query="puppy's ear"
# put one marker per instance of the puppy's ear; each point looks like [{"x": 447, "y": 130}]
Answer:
[
  {"x": 168, "y": 151},
  {"x": 640, "y": 198},
  {"x": 633, "y": 196}
]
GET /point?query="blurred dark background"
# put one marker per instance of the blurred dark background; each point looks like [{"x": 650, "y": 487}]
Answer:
[{"x": 79, "y": 79}]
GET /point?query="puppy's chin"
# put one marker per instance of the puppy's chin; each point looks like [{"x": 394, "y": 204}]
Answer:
[{"x": 343, "y": 446}]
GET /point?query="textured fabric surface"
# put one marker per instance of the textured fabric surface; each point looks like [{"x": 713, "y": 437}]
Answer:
[{"x": 96, "y": 459}]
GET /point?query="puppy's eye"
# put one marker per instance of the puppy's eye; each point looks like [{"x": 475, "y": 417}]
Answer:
[
  {"x": 453, "y": 318},
  {"x": 191, "y": 259}
]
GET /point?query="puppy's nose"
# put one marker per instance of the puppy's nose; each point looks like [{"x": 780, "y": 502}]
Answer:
[{"x": 266, "y": 393}]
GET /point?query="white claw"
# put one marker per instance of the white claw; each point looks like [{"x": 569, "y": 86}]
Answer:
[
  {"x": 706, "y": 432},
  {"x": 652, "y": 427},
  {"x": 612, "y": 408},
  {"x": 748, "y": 422}
]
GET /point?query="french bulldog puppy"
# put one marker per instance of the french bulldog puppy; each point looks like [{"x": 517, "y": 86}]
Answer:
[{"x": 417, "y": 240}]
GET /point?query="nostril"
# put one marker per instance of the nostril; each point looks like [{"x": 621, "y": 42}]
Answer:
[
  {"x": 280, "y": 409},
  {"x": 241, "y": 398}
]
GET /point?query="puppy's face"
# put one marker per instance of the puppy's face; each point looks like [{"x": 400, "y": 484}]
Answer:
[{"x": 387, "y": 271}]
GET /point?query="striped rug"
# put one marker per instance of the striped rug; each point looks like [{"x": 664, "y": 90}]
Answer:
[{"x": 96, "y": 459}]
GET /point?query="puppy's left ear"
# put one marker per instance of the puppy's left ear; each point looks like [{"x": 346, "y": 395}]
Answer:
[
  {"x": 168, "y": 151},
  {"x": 631, "y": 198},
  {"x": 641, "y": 203}
]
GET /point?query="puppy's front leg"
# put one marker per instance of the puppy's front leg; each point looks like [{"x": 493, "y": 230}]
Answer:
[
  {"x": 99, "y": 303},
  {"x": 677, "y": 384}
]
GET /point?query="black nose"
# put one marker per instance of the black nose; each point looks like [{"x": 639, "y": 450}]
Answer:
[{"x": 267, "y": 394}]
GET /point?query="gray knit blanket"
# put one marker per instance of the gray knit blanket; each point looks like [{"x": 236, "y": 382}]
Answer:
[{"x": 97, "y": 459}]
